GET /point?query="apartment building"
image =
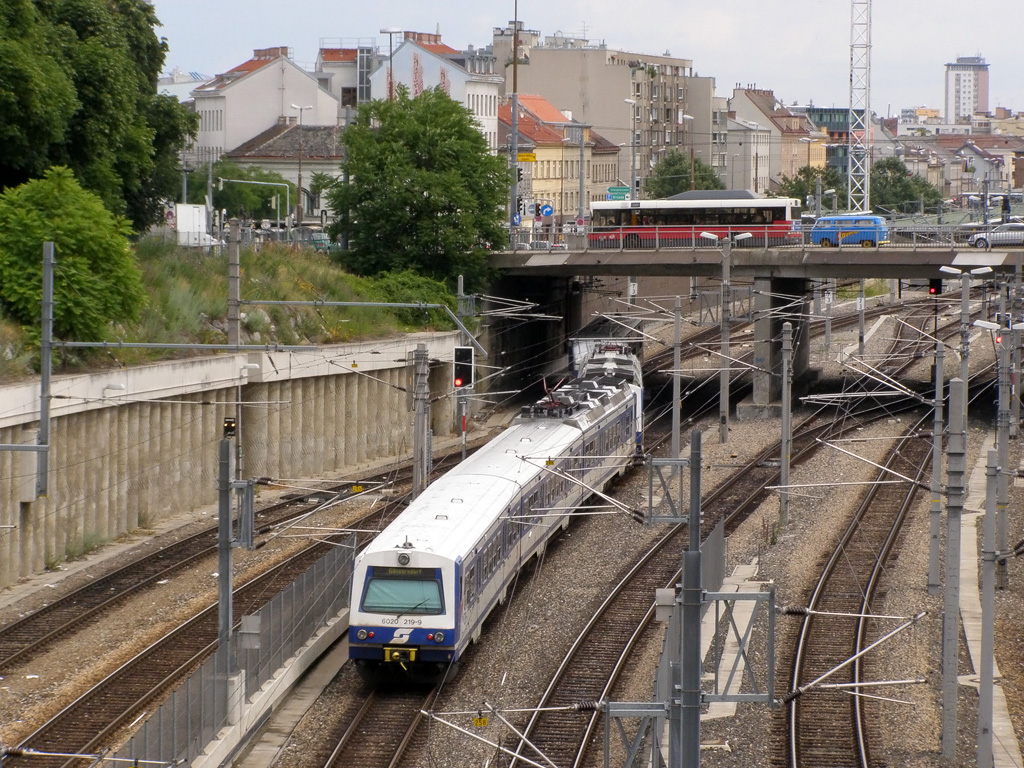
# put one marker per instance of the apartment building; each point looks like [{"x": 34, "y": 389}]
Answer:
[
  {"x": 654, "y": 102},
  {"x": 966, "y": 88}
]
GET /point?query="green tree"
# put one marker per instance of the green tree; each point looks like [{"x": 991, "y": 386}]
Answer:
[
  {"x": 78, "y": 88},
  {"x": 97, "y": 280},
  {"x": 673, "y": 174},
  {"x": 262, "y": 200},
  {"x": 804, "y": 185},
  {"x": 893, "y": 188},
  {"x": 424, "y": 192}
]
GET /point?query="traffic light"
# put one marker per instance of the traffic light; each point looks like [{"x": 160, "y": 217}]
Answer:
[
  {"x": 462, "y": 374},
  {"x": 519, "y": 174},
  {"x": 521, "y": 205},
  {"x": 935, "y": 286}
]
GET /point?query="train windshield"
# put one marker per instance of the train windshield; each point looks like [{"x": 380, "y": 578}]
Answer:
[{"x": 416, "y": 591}]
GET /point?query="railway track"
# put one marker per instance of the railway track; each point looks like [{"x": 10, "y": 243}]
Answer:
[
  {"x": 88, "y": 724},
  {"x": 32, "y": 634},
  {"x": 94, "y": 727},
  {"x": 563, "y": 725},
  {"x": 378, "y": 733},
  {"x": 849, "y": 584},
  {"x": 837, "y": 628}
]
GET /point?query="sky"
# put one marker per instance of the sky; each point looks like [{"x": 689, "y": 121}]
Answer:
[{"x": 800, "y": 50}]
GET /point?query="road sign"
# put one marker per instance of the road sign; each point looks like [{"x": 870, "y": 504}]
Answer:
[
  {"x": 619, "y": 190},
  {"x": 527, "y": 157},
  {"x": 516, "y": 219},
  {"x": 616, "y": 195},
  {"x": 546, "y": 210}
]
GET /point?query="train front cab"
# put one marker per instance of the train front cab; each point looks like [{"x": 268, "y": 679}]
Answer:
[{"x": 403, "y": 624}]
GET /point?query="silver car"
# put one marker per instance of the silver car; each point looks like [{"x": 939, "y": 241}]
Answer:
[{"x": 1004, "y": 234}]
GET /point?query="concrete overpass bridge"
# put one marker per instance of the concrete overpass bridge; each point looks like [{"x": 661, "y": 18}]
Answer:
[{"x": 782, "y": 281}]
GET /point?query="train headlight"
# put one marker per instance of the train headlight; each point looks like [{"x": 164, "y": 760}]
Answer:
[
  {"x": 403, "y": 559},
  {"x": 362, "y": 634},
  {"x": 439, "y": 637}
]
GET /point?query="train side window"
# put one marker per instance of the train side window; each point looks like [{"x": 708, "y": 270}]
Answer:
[{"x": 471, "y": 585}]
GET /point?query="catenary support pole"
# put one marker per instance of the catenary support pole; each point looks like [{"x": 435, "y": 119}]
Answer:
[
  {"x": 677, "y": 389},
  {"x": 234, "y": 282},
  {"x": 956, "y": 465},
  {"x": 787, "y": 426},
  {"x": 1003, "y": 436},
  {"x": 988, "y": 576},
  {"x": 726, "y": 363},
  {"x": 45, "y": 369},
  {"x": 1015, "y": 361},
  {"x": 860, "y": 320},
  {"x": 935, "y": 515},
  {"x": 691, "y": 596},
  {"x": 224, "y": 550},
  {"x": 421, "y": 423}
]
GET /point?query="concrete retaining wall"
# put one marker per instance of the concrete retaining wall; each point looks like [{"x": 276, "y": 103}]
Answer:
[{"x": 134, "y": 455}]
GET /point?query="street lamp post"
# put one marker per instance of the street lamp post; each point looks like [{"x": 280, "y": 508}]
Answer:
[
  {"x": 300, "y": 203},
  {"x": 632, "y": 148},
  {"x": 391, "y": 32}
]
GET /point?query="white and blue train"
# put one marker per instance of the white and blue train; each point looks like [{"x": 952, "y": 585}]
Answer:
[{"x": 423, "y": 588}]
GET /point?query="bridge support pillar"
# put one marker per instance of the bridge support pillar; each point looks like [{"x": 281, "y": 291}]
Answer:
[{"x": 777, "y": 300}]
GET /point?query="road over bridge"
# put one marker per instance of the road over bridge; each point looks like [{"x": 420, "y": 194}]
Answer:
[
  {"x": 782, "y": 283},
  {"x": 787, "y": 263}
]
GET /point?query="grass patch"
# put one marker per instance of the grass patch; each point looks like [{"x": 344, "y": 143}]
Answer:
[{"x": 186, "y": 303}]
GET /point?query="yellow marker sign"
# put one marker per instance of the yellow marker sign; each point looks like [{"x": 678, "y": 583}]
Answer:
[
  {"x": 480, "y": 722},
  {"x": 527, "y": 157}
]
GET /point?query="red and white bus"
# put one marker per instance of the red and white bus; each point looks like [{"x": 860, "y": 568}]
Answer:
[{"x": 678, "y": 221}]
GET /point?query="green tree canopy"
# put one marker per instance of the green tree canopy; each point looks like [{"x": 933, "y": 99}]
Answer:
[
  {"x": 893, "y": 188},
  {"x": 97, "y": 280},
  {"x": 423, "y": 194},
  {"x": 672, "y": 175},
  {"x": 263, "y": 199},
  {"x": 804, "y": 185},
  {"x": 78, "y": 88}
]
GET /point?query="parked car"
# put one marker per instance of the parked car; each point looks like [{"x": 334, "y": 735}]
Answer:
[
  {"x": 1004, "y": 234},
  {"x": 864, "y": 229},
  {"x": 322, "y": 242}
]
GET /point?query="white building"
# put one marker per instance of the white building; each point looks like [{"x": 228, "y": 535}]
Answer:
[
  {"x": 247, "y": 100},
  {"x": 422, "y": 61}
]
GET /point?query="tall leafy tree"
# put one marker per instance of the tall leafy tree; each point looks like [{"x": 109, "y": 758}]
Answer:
[
  {"x": 266, "y": 198},
  {"x": 78, "y": 88},
  {"x": 674, "y": 174},
  {"x": 893, "y": 188},
  {"x": 804, "y": 185},
  {"x": 97, "y": 280},
  {"x": 424, "y": 191}
]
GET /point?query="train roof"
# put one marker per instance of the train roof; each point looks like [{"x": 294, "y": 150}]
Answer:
[{"x": 454, "y": 511}]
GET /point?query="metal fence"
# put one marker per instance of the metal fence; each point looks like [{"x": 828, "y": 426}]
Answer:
[
  {"x": 656, "y": 237},
  {"x": 182, "y": 727}
]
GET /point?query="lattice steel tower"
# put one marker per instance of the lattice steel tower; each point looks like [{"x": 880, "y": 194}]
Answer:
[{"x": 858, "y": 155}]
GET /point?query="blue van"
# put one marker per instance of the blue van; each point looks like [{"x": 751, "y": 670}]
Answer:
[{"x": 853, "y": 229}]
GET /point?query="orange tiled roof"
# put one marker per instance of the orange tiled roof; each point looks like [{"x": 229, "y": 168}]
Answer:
[
  {"x": 530, "y": 127},
  {"x": 542, "y": 108},
  {"x": 438, "y": 48}
]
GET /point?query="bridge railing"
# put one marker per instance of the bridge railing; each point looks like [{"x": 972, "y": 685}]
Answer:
[{"x": 658, "y": 237}]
